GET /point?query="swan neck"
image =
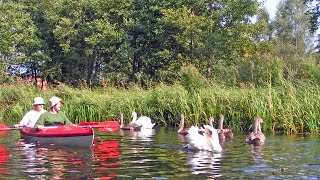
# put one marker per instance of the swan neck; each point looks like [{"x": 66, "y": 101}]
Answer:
[
  {"x": 134, "y": 118},
  {"x": 211, "y": 121},
  {"x": 256, "y": 126},
  {"x": 209, "y": 141},
  {"x": 121, "y": 120},
  {"x": 259, "y": 126},
  {"x": 181, "y": 123},
  {"x": 221, "y": 122}
]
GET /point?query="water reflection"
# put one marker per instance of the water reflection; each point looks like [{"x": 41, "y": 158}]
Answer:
[
  {"x": 101, "y": 161},
  {"x": 33, "y": 160},
  {"x": 205, "y": 162},
  {"x": 137, "y": 142},
  {"x": 52, "y": 161},
  {"x": 142, "y": 135},
  {"x": 106, "y": 159},
  {"x": 4, "y": 156},
  {"x": 160, "y": 155},
  {"x": 256, "y": 152}
]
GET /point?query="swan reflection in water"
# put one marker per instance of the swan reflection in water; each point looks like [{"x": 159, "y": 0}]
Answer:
[
  {"x": 205, "y": 162},
  {"x": 138, "y": 143},
  {"x": 142, "y": 135},
  {"x": 256, "y": 152}
]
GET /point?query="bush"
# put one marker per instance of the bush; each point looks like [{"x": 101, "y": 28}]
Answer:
[{"x": 191, "y": 79}]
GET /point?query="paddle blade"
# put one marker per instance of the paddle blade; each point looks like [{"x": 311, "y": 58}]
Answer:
[{"x": 3, "y": 129}]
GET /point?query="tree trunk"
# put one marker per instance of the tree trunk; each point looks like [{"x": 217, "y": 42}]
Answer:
[
  {"x": 192, "y": 48},
  {"x": 135, "y": 68},
  {"x": 209, "y": 66},
  {"x": 91, "y": 69},
  {"x": 136, "y": 61}
]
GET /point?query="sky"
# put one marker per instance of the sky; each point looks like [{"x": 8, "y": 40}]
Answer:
[{"x": 271, "y": 6}]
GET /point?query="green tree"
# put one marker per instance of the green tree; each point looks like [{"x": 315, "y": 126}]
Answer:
[
  {"x": 189, "y": 27},
  {"x": 18, "y": 37},
  {"x": 314, "y": 11},
  {"x": 291, "y": 34},
  {"x": 89, "y": 42},
  {"x": 141, "y": 31},
  {"x": 79, "y": 36},
  {"x": 228, "y": 38}
]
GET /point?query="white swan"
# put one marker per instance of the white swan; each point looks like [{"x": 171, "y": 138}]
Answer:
[
  {"x": 209, "y": 141},
  {"x": 143, "y": 121}
]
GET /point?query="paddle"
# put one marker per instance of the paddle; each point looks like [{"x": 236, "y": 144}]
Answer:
[
  {"x": 105, "y": 126},
  {"x": 4, "y": 129}
]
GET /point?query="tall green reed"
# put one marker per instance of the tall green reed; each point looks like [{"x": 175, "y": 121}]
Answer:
[{"x": 290, "y": 107}]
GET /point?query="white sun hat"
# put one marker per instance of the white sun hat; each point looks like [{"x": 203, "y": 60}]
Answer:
[
  {"x": 38, "y": 101},
  {"x": 54, "y": 100}
]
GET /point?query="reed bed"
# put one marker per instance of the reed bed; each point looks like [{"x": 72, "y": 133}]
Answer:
[{"x": 289, "y": 108}]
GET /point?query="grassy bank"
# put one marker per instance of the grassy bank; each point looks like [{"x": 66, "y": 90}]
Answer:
[{"x": 289, "y": 108}]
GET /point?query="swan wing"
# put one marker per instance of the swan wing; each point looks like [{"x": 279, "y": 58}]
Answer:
[
  {"x": 214, "y": 132},
  {"x": 143, "y": 120},
  {"x": 214, "y": 144},
  {"x": 147, "y": 125},
  {"x": 195, "y": 140}
]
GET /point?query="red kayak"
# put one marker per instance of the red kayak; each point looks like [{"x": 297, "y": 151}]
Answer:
[{"x": 60, "y": 135}]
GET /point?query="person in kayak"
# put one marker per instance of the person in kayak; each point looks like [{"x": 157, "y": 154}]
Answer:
[
  {"x": 53, "y": 117},
  {"x": 31, "y": 117}
]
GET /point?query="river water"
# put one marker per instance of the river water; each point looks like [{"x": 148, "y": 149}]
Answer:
[{"x": 160, "y": 154}]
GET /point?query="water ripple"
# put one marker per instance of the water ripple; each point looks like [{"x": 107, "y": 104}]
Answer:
[{"x": 160, "y": 154}]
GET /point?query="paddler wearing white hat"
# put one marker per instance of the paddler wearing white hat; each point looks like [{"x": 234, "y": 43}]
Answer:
[{"x": 31, "y": 117}]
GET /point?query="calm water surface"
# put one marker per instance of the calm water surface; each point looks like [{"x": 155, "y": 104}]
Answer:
[{"x": 160, "y": 154}]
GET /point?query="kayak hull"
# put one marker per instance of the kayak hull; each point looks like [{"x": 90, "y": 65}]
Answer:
[{"x": 59, "y": 135}]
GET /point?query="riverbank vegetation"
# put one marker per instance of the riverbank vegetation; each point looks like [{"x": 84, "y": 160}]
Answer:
[
  {"x": 288, "y": 107},
  {"x": 162, "y": 58}
]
